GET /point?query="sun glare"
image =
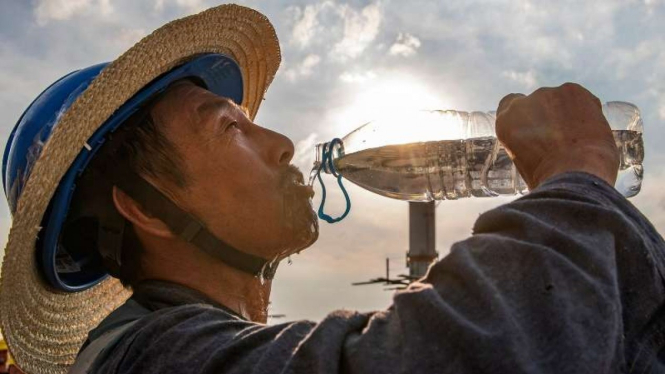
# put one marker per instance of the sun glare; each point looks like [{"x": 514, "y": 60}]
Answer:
[
  {"x": 397, "y": 107},
  {"x": 380, "y": 98}
]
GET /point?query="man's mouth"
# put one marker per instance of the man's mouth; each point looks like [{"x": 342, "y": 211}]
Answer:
[
  {"x": 298, "y": 214},
  {"x": 295, "y": 179}
]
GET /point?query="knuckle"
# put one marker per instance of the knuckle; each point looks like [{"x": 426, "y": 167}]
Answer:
[
  {"x": 580, "y": 91},
  {"x": 540, "y": 91},
  {"x": 503, "y": 103},
  {"x": 571, "y": 86},
  {"x": 597, "y": 101},
  {"x": 508, "y": 101}
]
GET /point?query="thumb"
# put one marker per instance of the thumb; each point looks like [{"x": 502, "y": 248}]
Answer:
[{"x": 507, "y": 101}]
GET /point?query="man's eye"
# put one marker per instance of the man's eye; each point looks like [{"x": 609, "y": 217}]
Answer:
[{"x": 231, "y": 126}]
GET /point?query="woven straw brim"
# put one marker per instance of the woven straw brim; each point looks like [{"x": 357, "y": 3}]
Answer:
[{"x": 44, "y": 327}]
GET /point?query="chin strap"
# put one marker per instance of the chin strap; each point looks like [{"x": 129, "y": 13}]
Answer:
[{"x": 189, "y": 228}]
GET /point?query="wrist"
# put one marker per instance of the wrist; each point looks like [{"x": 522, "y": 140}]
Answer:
[{"x": 599, "y": 160}]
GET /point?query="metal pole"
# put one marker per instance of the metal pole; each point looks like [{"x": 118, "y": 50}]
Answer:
[
  {"x": 387, "y": 268},
  {"x": 422, "y": 249}
]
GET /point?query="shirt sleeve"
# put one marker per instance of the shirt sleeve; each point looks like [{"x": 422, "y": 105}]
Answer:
[{"x": 534, "y": 290}]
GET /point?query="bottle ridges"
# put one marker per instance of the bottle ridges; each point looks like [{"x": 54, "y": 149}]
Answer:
[{"x": 452, "y": 169}]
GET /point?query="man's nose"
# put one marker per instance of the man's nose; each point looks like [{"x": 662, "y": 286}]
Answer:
[{"x": 280, "y": 148}]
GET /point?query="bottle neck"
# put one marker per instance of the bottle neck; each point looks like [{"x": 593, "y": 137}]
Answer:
[
  {"x": 319, "y": 156},
  {"x": 321, "y": 161},
  {"x": 317, "y": 163}
]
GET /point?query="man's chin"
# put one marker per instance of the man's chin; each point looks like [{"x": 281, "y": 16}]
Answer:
[
  {"x": 307, "y": 233},
  {"x": 301, "y": 222}
]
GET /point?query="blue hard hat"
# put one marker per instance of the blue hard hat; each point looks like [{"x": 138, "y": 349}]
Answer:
[{"x": 217, "y": 73}]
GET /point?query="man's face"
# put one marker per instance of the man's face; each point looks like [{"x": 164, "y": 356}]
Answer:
[{"x": 240, "y": 182}]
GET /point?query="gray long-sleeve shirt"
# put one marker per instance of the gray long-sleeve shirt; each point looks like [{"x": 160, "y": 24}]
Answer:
[{"x": 568, "y": 279}]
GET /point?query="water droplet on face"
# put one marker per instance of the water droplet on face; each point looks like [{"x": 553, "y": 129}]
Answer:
[{"x": 289, "y": 261}]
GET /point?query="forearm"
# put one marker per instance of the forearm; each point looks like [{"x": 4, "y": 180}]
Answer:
[{"x": 533, "y": 290}]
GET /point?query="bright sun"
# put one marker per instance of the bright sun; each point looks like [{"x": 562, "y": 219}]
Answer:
[
  {"x": 379, "y": 98},
  {"x": 396, "y": 104}
]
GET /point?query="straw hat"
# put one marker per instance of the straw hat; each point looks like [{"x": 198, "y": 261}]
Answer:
[{"x": 45, "y": 327}]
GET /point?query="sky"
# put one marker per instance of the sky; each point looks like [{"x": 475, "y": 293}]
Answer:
[{"x": 347, "y": 62}]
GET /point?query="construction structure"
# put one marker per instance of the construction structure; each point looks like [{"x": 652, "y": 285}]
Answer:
[{"x": 422, "y": 247}]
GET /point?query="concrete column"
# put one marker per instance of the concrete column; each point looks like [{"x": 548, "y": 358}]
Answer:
[{"x": 422, "y": 237}]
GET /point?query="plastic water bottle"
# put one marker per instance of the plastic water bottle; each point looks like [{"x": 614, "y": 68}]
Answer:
[{"x": 448, "y": 154}]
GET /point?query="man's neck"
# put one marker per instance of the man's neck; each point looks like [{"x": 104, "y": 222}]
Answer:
[{"x": 241, "y": 292}]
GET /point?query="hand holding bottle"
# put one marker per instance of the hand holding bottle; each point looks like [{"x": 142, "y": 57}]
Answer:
[{"x": 556, "y": 130}]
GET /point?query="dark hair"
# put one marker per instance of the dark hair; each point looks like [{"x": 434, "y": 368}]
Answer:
[
  {"x": 146, "y": 151},
  {"x": 139, "y": 145}
]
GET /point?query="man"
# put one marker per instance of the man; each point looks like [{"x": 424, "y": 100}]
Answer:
[{"x": 565, "y": 279}]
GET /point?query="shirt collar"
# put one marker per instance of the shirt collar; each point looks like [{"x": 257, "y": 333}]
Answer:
[{"x": 158, "y": 294}]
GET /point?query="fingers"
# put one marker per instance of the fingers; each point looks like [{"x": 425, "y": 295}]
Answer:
[
  {"x": 579, "y": 90},
  {"x": 568, "y": 89},
  {"x": 507, "y": 100}
]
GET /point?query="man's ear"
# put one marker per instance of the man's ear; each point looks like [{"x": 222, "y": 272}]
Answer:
[{"x": 133, "y": 212}]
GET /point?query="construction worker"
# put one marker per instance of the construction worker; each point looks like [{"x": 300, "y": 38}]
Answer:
[{"x": 151, "y": 169}]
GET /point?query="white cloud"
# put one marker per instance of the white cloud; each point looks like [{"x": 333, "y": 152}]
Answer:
[
  {"x": 303, "y": 31},
  {"x": 193, "y": 6},
  {"x": 303, "y": 69},
  {"x": 661, "y": 111},
  {"x": 405, "y": 45},
  {"x": 628, "y": 60},
  {"x": 304, "y": 155},
  {"x": 360, "y": 29},
  {"x": 307, "y": 23},
  {"x": 653, "y": 3},
  {"x": 128, "y": 37},
  {"x": 159, "y": 5},
  {"x": 350, "y": 30},
  {"x": 62, "y": 10},
  {"x": 526, "y": 78},
  {"x": 105, "y": 7},
  {"x": 59, "y": 10},
  {"x": 349, "y": 77},
  {"x": 308, "y": 64}
]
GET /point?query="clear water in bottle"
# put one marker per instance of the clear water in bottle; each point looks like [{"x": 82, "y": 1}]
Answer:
[
  {"x": 436, "y": 170},
  {"x": 451, "y": 169}
]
